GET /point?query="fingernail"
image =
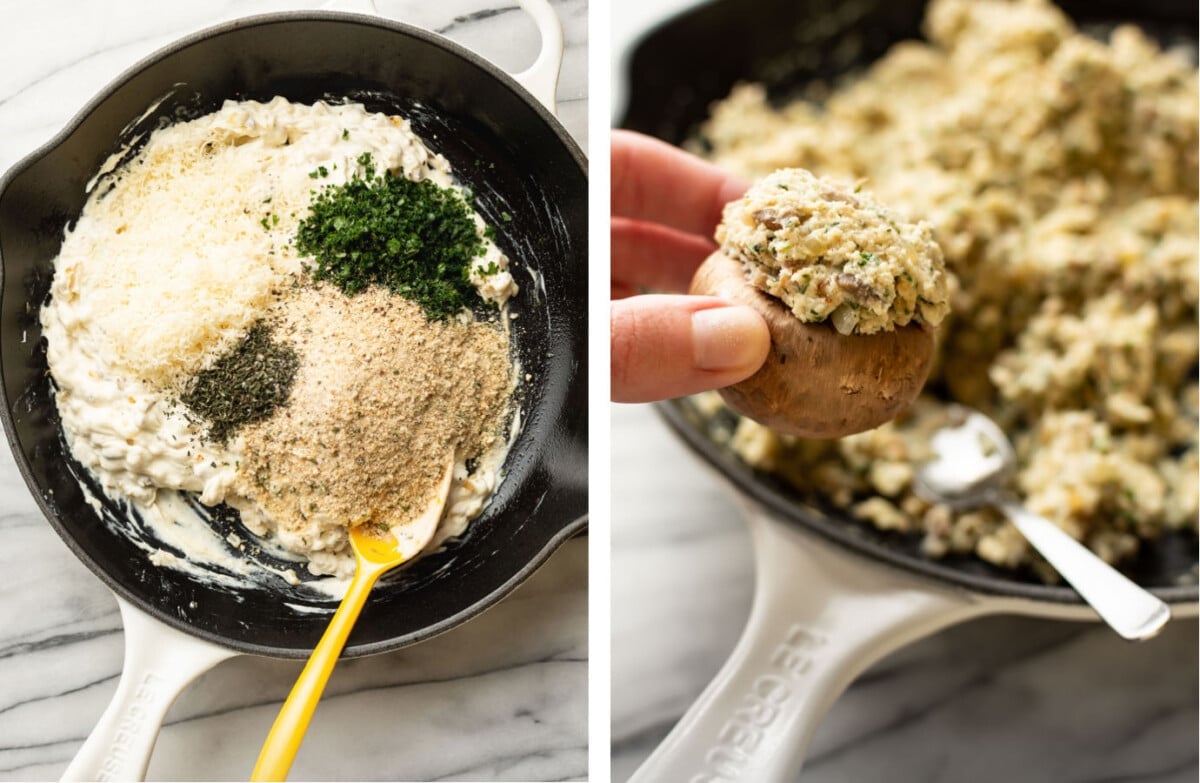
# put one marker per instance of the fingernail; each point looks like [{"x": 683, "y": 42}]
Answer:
[{"x": 725, "y": 338}]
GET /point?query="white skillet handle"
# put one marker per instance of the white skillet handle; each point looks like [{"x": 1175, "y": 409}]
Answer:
[
  {"x": 820, "y": 617},
  {"x": 541, "y": 78},
  {"x": 159, "y": 663}
]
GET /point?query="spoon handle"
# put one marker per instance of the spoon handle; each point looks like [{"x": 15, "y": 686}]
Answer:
[
  {"x": 287, "y": 733},
  {"x": 1128, "y": 609}
]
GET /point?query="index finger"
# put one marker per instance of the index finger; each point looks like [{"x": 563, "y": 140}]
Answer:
[{"x": 655, "y": 182}]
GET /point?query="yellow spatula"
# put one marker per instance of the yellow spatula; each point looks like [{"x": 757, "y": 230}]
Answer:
[{"x": 374, "y": 555}]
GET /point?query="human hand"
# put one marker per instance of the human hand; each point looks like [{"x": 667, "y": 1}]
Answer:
[{"x": 665, "y": 206}]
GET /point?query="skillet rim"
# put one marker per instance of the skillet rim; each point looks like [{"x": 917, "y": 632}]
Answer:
[{"x": 567, "y": 529}]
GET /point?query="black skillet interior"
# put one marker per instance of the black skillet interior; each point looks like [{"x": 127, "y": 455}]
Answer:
[
  {"x": 679, "y": 69},
  {"x": 506, "y": 147}
]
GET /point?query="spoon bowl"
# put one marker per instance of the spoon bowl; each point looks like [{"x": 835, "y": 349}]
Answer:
[
  {"x": 973, "y": 462},
  {"x": 972, "y": 465}
]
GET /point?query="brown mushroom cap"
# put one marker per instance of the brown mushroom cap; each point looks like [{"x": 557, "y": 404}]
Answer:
[{"x": 815, "y": 382}]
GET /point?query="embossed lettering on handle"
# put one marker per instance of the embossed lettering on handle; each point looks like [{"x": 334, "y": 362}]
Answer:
[
  {"x": 159, "y": 663},
  {"x": 131, "y": 725},
  {"x": 768, "y": 695},
  {"x": 820, "y": 616}
]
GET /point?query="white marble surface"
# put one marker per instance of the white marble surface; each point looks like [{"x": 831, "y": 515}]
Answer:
[
  {"x": 993, "y": 701},
  {"x": 501, "y": 698}
]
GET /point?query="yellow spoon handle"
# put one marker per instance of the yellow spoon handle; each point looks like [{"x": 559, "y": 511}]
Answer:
[{"x": 287, "y": 733}]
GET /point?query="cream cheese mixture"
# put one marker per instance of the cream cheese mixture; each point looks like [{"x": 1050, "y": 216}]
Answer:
[
  {"x": 177, "y": 254},
  {"x": 831, "y": 252}
]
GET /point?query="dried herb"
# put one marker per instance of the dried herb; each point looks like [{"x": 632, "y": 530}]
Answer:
[
  {"x": 244, "y": 385},
  {"x": 415, "y": 238}
]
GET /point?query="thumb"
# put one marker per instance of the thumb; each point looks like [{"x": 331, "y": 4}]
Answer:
[{"x": 669, "y": 346}]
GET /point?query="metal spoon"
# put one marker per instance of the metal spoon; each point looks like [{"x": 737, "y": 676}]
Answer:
[
  {"x": 374, "y": 555},
  {"x": 973, "y": 464}
]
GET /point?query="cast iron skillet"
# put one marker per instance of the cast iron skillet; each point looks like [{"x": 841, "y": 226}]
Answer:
[
  {"x": 515, "y": 157},
  {"x": 679, "y": 69}
]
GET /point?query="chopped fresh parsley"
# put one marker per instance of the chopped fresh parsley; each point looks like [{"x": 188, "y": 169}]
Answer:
[
  {"x": 368, "y": 165},
  {"x": 345, "y": 133},
  {"x": 415, "y": 238}
]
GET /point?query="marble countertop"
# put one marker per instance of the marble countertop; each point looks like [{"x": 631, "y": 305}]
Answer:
[
  {"x": 503, "y": 697},
  {"x": 994, "y": 700}
]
